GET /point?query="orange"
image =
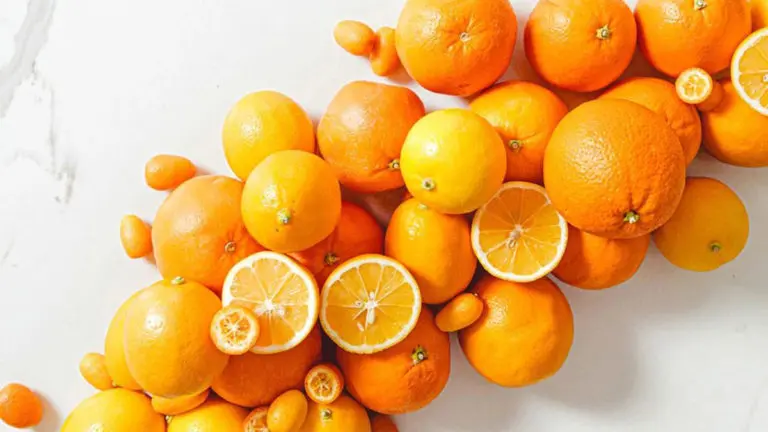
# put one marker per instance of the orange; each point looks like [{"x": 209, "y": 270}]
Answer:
[
  {"x": 20, "y": 407},
  {"x": 167, "y": 344},
  {"x": 749, "y": 71},
  {"x": 675, "y": 35},
  {"x": 382, "y": 423},
  {"x": 363, "y": 130},
  {"x": 324, "y": 383},
  {"x": 518, "y": 235},
  {"x": 252, "y": 380},
  {"x": 459, "y": 313},
  {"x": 263, "y": 123},
  {"x": 343, "y": 415},
  {"x": 580, "y": 45},
  {"x": 357, "y": 233},
  {"x": 93, "y": 368},
  {"x": 114, "y": 349},
  {"x": 288, "y": 412},
  {"x": 696, "y": 87},
  {"x": 456, "y": 47},
  {"x": 235, "y": 330},
  {"x": 734, "y": 133},
  {"x": 759, "y": 14},
  {"x": 661, "y": 97},
  {"x": 215, "y": 415},
  {"x": 369, "y": 304},
  {"x": 453, "y": 161},
  {"x": 523, "y": 336},
  {"x": 256, "y": 420},
  {"x": 136, "y": 237},
  {"x": 524, "y": 114},
  {"x": 417, "y": 234},
  {"x": 384, "y": 59},
  {"x": 354, "y": 37},
  {"x": 404, "y": 378},
  {"x": 615, "y": 169},
  {"x": 198, "y": 232},
  {"x": 595, "y": 263},
  {"x": 179, "y": 405},
  {"x": 281, "y": 293},
  {"x": 116, "y": 410},
  {"x": 709, "y": 229},
  {"x": 291, "y": 201},
  {"x": 164, "y": 172}
]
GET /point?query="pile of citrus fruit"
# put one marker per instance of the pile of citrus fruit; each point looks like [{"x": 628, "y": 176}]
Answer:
[{"x": 284, "y": 308}]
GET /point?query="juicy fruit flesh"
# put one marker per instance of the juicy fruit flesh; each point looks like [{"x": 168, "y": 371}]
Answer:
[
  {"x": 694, "y": 86},
  {"x": 235, "y": 330},
  {"x": 753, "y": 69}
]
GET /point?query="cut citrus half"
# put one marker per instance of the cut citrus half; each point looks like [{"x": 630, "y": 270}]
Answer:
[
  {"x": 369, "y": 304},
  {"x": 518, "y": 235},
  {"x": 234, "y": 330},
  {"x": 696, "y": 86},
  {"x": 324, "y": 383},
  {"x": 749, "y": 71},
  {"x": 281, "y": 293},
  {"x": 256, "y": 420}
]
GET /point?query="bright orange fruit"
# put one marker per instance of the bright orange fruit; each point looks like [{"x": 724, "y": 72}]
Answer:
[
  {"x": 179, "y": 405},
  {"x": 235, "y": 330},
  {"x": 93, "y": 368},
  {"x": 324, "y": 383},
  {"x": 164, "y": 172},
  {"x": 135, "y": 236},
  {"x": 20, "y": 407}
]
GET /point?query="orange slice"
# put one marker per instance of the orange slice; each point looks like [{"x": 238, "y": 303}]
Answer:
[
  {"x": 518, "y": 235},
  {"x": 324, "y": 383},
  {"x": 281, "y": 293},
  {"x": 749, "y": 71},
  {"x": 696, "y": 86},
  {"x": 256, "y": 420},
  {"x": 234, "y": 330},
  {"x": 369, "y": 304}
]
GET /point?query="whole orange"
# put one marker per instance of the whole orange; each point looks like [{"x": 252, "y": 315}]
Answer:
[
  {"x": 168, "y": 349},
  {"x": 456, "y": 47},
  {"x": 362, "y": 132},
  {"x": 524, "y": 334},
  {"x": 20, "y": 407},
  {"x": 343, "y": 415},
  {"x": 215, "y": 415},
  {"x": 580, "y": 45},
  {"x": 524, "y": 114},
  {"x": 263, "y": 123},
  {"x": 357, "y": 233},
  {"x": 416, "y": 235},
  {"x": 592, "y": 262},
  {"x": 615, "y": 169},
  {"x": 198, "y": 232},
  {"x": 661, "y": 97},
  {"x": 734, "y": 133},
  {"x": 675, "y": 35},
  {"x": 252, "y": 380},
  {"x": 405, "y": 377},
  {"x": 115, "y": 410},
  {"x": 291, "y": 201}
]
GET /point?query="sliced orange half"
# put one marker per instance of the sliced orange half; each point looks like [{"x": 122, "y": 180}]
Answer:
[
  {"x": 369, "y": 304},
  {"x": 324, "y": 383},
  {"x": 256, "y": 420},
  {"x": 749, "y": 71},
  {"x": 518, "y": 235},
  {"x": 281, "y": 293},
  {"x": 235, "y": 329},
  {"x": 696, "y": 86}
]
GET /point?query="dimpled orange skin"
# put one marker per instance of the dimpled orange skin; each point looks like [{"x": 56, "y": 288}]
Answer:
[
  {"x": 343, "y": 415},
  {"x": 675, "y": 35},
  {"x": 580, "y": 45},
  {"x": 252, "y": 380},
  {"x": 525, "y": 115},
  {"x": 614, "y": 169},
  {"x": 168, "y": 349},
  {"x": 198, "y": 232},
  {"x": 20, "y": 407},
  {"x": 456, "y": 47},
  {"x": 363, "y": 130},
  {"x": 357, "y": 233},
  {"x": 661, "y": 97},
  {"x": 596, "y": 263},
  {"x": 405, "y": 377},
  {"x": 291, "y": 201},
  {"x": 734, "y": 133},
  {"x": 524, "y": 334},
  {"x": 416, "y": 235},
  {"x": 164, "y": 172}
]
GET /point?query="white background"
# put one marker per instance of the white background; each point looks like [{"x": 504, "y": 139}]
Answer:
[{"x": 90, "y": 89}]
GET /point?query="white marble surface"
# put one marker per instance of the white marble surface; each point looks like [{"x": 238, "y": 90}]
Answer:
[{"x": 89, "y": 89}]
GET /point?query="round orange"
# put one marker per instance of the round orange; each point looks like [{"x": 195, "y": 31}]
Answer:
[
  {"x": 456, "y": 47},
  {"x": 288, "y": 412},
  {"x": 363, "y": 130},
  {"x": 580, "y": 45},
  {"x": 615, "y": 169},
  {"x": 20, "y": 407},
  {"x": 382, "y": 423},
  {"x": 257, "y": 420},
  {"x": 115, "y": 410},
  {"x": 343, "y": 415},
  {"x": 524, "y": 334},
  {"x": 198, "y": 232},
  {"x": 291, "y": 201}
]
